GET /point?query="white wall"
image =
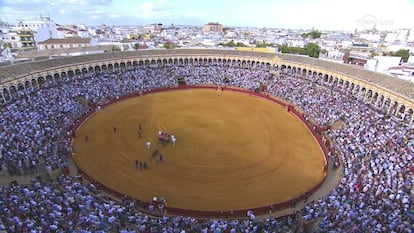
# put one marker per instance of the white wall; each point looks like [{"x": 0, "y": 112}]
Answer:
[{"x": 385, "y": 62}]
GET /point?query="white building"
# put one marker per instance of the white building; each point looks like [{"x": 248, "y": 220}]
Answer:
[
  {"x": 370, "y": 37},
  {"x": 43, "y": 28},
  {"x": 21, "y": 38},
  {"x": 382, "y": 63},
  {"x": 83, "y": 33},
  {"x": 4, "y": 36},
  {"x": 391, "y": 37},
  {"x": 410, "y": 37},
  {"x": 5, "y": 55},
  {"x": 405, "y": 71}
]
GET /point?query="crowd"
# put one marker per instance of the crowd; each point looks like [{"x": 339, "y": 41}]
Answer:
[
  {"x": 374, "y": 194},
  {"x": 376, "y": 189}
]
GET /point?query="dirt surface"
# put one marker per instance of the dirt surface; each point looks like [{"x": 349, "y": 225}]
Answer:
[{"x": 233, "y": 150}]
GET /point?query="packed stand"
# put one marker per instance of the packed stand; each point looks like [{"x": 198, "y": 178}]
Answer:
[{"x": 374, "y": 194}]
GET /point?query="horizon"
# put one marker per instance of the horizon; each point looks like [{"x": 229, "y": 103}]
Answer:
[{"x": 323, "y": 15}]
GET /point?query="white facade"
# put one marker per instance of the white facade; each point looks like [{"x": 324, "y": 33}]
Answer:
[
  {"x": 4, "y": 36},
  {"x": 385, "y": 62},
  {"x": 33, "y": 25},
  {"x": 83, "y": 33},
  {"x": 410, "y": 60},
  {"x": 43, "y": 28},
  {"x": 47, "y": 31},
  {"x": 391, "y": 37},
  {"x": 371, "y": 37},
  {"x": 410, "y": 37}
]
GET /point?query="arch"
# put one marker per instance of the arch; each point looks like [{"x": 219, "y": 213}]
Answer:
[
  {"x": 393, "y": 108},
  {"x": 13, "y": 92},
  {"x": 325, "y": 78},
  {"x": 20, "y": 87},
  {"x": 6, "y": 95},
  {"x": 64, "y": 76},
  {"x": 141, "y": 63},
  {"x": 49, "y": 78},
  {"x": 409, "y": 116},
  {"x": 304, "y": 72},
  {"x": 91, "y": 70},
  {"x": 386, "y": 105},
  {"x": 110, "y": 67},
  {"x": 283, "y": 69},
  {"x": 401, "y": 112},
  {"x": 346, "y": 85},
  {"x": 380, "y": 102},
  {"x": 34, "y": 83},
  {"x": 335, "y": 81},
  {"x": 361, "y": 94},
  {"x": 41, "y": 81},
  {"x": 352, "y": 87},
  {"x": 374, "y": 98},
  {"x": 368, "y": 96},
  {"x": 104, "y": 69},
  {"x": 125, "y": 66},
  {"x": 56, "y": 77},
  {"x": 27, "y": 84},
  {"x": 98, "y": 69},
  {"x": 288, "y": 69},
  {"x": 356, "y": 90},
  {"x": 116, "y": 66},
  {"x": 78, "y": 72},
  {"x": 319, "y": 77}
]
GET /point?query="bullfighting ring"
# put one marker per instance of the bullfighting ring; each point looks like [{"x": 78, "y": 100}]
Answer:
[{"x": 235, "y": 150}]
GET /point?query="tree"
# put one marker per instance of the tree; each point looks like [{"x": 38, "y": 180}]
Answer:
[
  {"x": 240, "y": 44},
  {"x": 373, "y": 54},
  {"x": 169, "y": 45},
  {"x": 233, "y": 44},
  {"x": 403, "y": 53},
  {"x": 312, "y": 50},
  {"x": 312, "y": 34},
  {"x": 263, "y": 44},
  {"x": 115, "y": 49},
  {"x": 136, "y": 46}
]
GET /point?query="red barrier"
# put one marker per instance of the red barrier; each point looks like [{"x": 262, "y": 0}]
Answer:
[{"x": 217, "y": 214}]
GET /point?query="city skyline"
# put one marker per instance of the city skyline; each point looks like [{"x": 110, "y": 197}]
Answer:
[{"x": 294, "y": 14}]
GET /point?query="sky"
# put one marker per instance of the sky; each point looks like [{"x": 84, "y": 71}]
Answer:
[{"x": 288, "y": 14}]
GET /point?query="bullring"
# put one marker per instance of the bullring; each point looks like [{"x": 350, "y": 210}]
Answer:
[{"x": 392, "y": 111}]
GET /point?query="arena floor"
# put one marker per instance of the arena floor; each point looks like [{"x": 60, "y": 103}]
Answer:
[{"x": 234, "y": 151}]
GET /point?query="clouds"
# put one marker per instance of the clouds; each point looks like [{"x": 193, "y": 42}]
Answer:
[{"x": 321, "y": 14}]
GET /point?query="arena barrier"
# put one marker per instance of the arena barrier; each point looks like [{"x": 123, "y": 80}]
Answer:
[{"x": 315, "y": 130}]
